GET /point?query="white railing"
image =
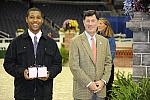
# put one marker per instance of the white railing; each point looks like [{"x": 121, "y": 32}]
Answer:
[
  {"x": 4, "y": 42},
  {"x": 122, "y": 43},
  {"x": 4, "y": 34}
]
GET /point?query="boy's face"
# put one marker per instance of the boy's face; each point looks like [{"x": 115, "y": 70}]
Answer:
[{"x": 34, "y": 21}]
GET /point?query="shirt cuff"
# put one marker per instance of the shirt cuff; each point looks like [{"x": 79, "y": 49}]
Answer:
[
  {"x": 89, "y": 84},
  {"x": 104, "y": 81}
]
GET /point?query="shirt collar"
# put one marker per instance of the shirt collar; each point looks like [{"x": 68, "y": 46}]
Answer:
[
  {"x": 38, "y": 35},
  {"x": 89, "y": 36}
]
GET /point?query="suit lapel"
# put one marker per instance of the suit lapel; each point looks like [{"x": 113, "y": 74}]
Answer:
[
  {"x": 86, "y": 45},
  {"x": 98, "y": 48}
]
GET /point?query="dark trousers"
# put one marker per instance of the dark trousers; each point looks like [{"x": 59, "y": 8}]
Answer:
[
  {"x": 109, "y": 84},
  {"x": 94, "y": 97},
  {"x": 37, "y": 98},
  {"x": 23, "y": 99}
]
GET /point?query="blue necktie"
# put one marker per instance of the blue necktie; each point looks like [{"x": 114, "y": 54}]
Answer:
[{"x": 35, "y": 45}]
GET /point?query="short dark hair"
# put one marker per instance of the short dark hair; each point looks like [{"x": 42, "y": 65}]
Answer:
[
  {"x": 34, "y": 9},
  {"x": 90, "y": 13}
]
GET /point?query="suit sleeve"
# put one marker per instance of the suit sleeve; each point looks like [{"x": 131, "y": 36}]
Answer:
[
  {"x": 107, "y": 64},
  {"x": 57, "y": 63},
  {"x": 10, "y": 65},
  {"x": 74, "y": 65}
]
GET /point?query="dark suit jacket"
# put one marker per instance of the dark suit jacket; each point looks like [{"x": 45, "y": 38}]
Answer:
[
  {"x": 20, "y": 55},
  {"x": 83, "y": 68}
]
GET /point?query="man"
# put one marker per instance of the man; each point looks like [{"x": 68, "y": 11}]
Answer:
[
  {"x": 90, "y": 61},
  {"x": 26, "y": 52}
]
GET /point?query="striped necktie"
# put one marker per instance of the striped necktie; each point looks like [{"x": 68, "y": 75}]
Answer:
[
  {"x": 94, "y": 49},
  {"x": 35, "y": 45}
]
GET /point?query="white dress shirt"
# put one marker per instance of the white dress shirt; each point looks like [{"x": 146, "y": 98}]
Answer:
[
  {"x": 38, "y": 35},
  {"x": 89, "y": 38}
]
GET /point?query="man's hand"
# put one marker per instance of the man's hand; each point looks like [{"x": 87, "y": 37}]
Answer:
[
  {"x": 92, "y": 87},
  {"x": 44, "y": 78},
  {"x": 100, "y": 84},
  {"x": 26, "y": 75}
]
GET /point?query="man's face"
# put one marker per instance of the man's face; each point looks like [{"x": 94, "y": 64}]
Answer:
[
  {"x": 34, "y": 20},
  {"x": 90, "y": 24}
]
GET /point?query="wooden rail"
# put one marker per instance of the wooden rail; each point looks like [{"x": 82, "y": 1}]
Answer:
[{"x": 124, "y": 52}]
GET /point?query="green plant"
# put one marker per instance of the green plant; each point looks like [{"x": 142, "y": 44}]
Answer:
[
  {"x": 145, "y": 89},
  {"x": 65, "y": 54},
  {"x": 2, "y": 53},
  {"x": 124, "y": 88}
]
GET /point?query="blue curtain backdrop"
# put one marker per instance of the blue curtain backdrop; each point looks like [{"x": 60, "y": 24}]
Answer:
[{"x": 118, "y": 25}]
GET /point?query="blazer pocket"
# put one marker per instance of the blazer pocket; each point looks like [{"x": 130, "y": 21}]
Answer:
[
  {"x": 49, "y": 52},
  {"x": 21, "y": 52},
  {"x": 49, "y": 55}
]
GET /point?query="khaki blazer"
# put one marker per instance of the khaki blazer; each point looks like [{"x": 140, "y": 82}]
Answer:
[{"x": 83, "y": 68}]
